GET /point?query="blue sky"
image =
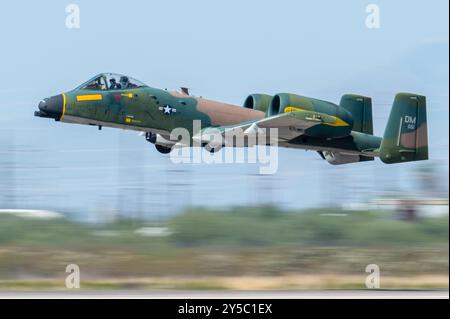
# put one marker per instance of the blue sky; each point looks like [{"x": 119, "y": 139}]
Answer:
[{"x": 222, "y": 50}]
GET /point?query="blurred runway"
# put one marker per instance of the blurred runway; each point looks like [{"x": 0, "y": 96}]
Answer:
[{"x": 215, "y": 294}]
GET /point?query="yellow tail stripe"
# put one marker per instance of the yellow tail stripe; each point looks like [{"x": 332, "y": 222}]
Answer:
[
  {"x": 337, "y": 122},
  {"x": 292, "y": 109},
  {"x": 89, "y": 97}
]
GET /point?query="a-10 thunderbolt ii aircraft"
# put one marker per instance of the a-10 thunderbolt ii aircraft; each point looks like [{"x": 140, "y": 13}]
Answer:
[{"x": 341, "y": 133}]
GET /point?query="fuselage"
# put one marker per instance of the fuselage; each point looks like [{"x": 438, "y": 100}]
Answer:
[
  {"x": 155, "y": 111},
  {"x": 151, "y": 109}
]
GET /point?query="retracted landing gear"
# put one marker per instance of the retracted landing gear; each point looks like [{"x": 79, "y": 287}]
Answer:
[
  {"x": 152, "y": 138},
  {"x": 163, "y": 149}
]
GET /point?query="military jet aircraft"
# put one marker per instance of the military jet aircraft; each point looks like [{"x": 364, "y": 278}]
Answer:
[{"x": 341, "y": 133}]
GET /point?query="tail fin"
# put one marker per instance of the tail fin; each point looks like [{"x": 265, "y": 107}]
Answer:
[
  {"x": 405, "y": 138},
  {"x": 361, "y": 109}
]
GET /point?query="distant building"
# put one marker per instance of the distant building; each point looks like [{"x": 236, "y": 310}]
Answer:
[
  {"x": 412, "y": 208},
  {"x": 31, "y": 213}
]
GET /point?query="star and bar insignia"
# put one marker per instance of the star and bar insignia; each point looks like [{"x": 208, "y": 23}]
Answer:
[{"x": 167, "y": 109}]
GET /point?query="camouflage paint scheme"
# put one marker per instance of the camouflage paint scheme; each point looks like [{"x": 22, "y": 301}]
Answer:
[{"x": 339, "y": 133}]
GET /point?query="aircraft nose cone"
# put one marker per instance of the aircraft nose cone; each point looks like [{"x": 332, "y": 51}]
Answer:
[
  {"x": 43, "y": 105},
  {"x": 51, "y": 107}
]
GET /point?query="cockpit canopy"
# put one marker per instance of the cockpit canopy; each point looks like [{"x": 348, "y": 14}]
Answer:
[{"x": 111, "y": 81}]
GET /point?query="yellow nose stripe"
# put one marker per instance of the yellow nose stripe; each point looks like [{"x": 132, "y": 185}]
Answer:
[
  {"x": 64, "y": 106},
  {"x": 89, "y": 97}
]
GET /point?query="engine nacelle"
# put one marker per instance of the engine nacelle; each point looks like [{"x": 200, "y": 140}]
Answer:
[
  {"x": 332, "y": 121},
  {"x": 286, "y": 102},
  {"x": 258, "y": 102}
]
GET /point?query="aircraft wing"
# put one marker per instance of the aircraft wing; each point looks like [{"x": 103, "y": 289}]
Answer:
[{"x": 290, "y": 125}]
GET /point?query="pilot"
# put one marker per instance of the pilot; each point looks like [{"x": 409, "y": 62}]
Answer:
[
  {"x": 95, "y": 85},
  {"x": 124, "y": 82},
  {"x": 113, "y": 84}
]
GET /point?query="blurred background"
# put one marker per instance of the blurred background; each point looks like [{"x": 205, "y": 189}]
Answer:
[{"x": 130, "y": 218}]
